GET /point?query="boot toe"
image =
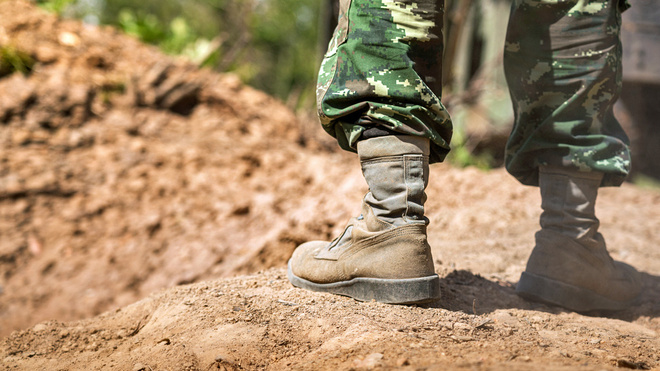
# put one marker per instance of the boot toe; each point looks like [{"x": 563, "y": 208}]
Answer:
[
  {"x": 629, "y": 282},
  {"x": 304, "y": 264}
]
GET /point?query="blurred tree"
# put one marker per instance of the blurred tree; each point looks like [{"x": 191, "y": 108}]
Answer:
[
  {"x": 55, "y": 6},
  {"x": 270, "y": 44}
]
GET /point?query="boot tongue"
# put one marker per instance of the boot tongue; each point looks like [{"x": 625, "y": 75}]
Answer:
[
  {"x": 364, "y": 226},
  {"x": 371, "y": 222}
]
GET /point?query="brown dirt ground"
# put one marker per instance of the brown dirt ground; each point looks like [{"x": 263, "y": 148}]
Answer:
[{"x": 130, "y": 177}]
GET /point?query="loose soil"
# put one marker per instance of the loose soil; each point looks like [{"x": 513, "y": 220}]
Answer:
[{"x": 147, "y": 210}]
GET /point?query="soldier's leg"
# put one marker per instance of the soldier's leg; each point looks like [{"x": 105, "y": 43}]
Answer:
[
  {"x": 383, "y": 69},
  {"x": 563, "y": 67},
  {"x": 378, "y": 94}
]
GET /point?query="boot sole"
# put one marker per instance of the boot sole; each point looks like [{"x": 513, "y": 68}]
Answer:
[
  {"x": 578, "y": 299},
  {"x": 383, "y": 290}
]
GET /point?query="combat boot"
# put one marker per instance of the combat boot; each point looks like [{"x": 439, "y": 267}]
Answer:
[
  {"x": 570, "y": 266},
  {"x": 383, "y": 254}
]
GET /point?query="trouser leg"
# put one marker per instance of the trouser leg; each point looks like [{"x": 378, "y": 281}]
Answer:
[
  {"x": 563, "y": 66},
  {"x": 383, "y": 71}
]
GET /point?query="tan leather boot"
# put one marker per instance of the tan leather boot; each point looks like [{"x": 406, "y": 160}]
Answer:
[
  {"x": 570, "y": 266},
  {"x": 383, "y": 254}
]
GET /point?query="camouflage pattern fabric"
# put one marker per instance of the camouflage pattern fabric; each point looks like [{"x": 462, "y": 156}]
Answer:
[
  {"x": 563, "y": 65},
  {"x": 562, "y": 61},
  {"x": 383, "y": 68}
]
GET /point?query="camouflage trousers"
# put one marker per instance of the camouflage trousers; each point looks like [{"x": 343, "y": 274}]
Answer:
[{"x": 562, "y": 61}]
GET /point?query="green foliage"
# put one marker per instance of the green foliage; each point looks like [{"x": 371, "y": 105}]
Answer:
[
  {"x": 285, "y": 33},
  {"x": 55, "y": 6},
  {"x": 174, "y": 37},
  {"x": 13, "y": 60},
  {"x": 463, "y": 156},
  {"x": 147, "y": 28},
  {"x": 110, "y": 89},
  {"x": 647, "y": 182}
]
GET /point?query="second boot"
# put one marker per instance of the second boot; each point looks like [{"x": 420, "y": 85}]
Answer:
[{"x": 570, "y": 266}]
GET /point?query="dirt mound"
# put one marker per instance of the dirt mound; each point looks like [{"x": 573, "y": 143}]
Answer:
[
  {"x": 261, "y": 322},
  {"x": 124, "y": 172}
]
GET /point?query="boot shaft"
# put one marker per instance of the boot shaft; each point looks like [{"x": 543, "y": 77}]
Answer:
[
  {"x": 396, "y": 169},
  {"x": 568, "y": 200}
]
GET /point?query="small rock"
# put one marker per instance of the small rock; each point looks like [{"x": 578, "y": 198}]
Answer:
[
  {"x": 461, "y": 339},
  {"x": 369, "y": 362},
  {"x": 34, "y": 245},
  {"x": 68, "y": 39},
  {"x": 402, "y": 362},
  {"x": 288, "y": 303},
  {"x": 39, "y": 327},
  {"x": 232, "y": 82},
  {"x": 46, "y": 54},
  {"x": 165, "y": 341},
  {"x": 484, "y": 324},
  {"x": 21, "y": 137},
  {"x": 139, "y": 367},
  {"x": 504, "y": 318},
  {"x": 536, "y": 319},
  {"x": 508, "y": 331},
  {"x": 92, "y": 347},
  {"x": 462, "y": 326}
]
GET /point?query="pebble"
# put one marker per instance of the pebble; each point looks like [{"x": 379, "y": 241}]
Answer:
[
  {"x": 369, "y": 362},
  {"x": 165, "y": 341},
  {"x": 462, "y": 326},
  {"x": 461, "y": 339},
  {"x": 68, "y": 39}
]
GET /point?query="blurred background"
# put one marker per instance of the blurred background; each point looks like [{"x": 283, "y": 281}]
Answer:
[{"x": 276, "y": 46}]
